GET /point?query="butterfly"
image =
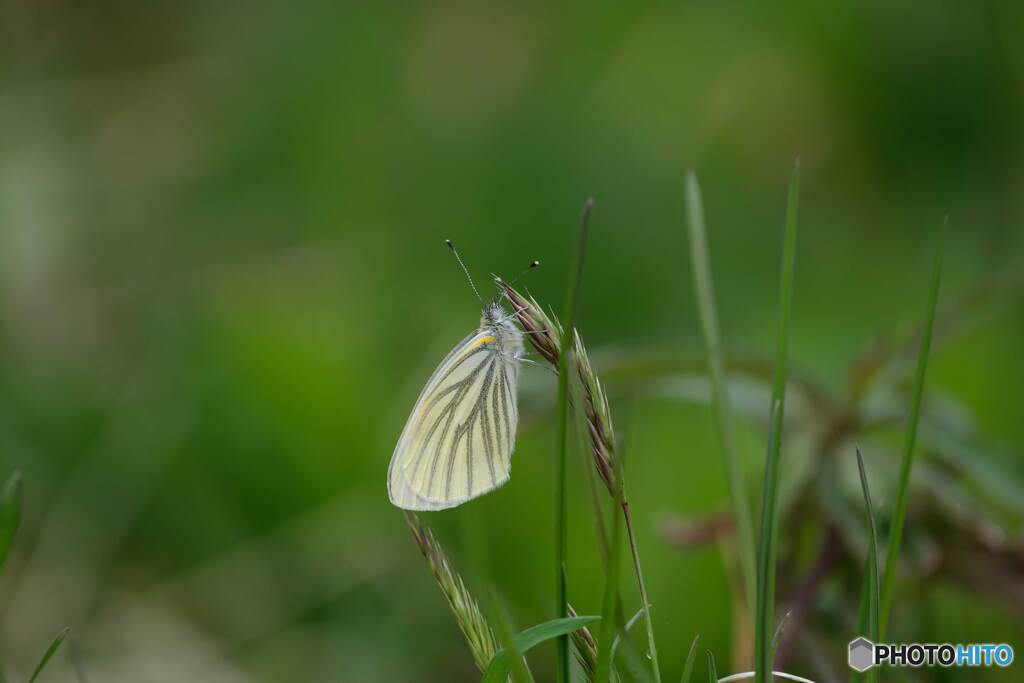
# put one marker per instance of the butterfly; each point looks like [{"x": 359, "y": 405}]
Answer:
[{"x": 457, "y": 443}]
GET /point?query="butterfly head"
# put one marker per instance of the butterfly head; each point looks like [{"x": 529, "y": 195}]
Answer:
[{"x": 493, "y": 315}]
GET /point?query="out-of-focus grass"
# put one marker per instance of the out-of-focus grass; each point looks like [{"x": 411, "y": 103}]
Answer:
[{"x": 704, "y": 289}]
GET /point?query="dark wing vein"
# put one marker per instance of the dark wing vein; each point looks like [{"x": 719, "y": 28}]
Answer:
[
  {"x": 461, "y": 429},
  {"x": 443, "y": 426},
  {"x": 447, "y": 411}
]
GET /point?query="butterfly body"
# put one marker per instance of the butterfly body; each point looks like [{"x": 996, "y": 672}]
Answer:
[{"x": 457, "y": 443}]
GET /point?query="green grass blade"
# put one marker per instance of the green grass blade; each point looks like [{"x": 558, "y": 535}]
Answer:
[
  {"x": 10, "y": 514},
  {"x": 903, "y": 490},
  {"x": 872, "y": 592},
  {"x": 49, "y": 653},
  {"x": 561, "y": 529},
  {"x": 703, "y": 285},
  {"x": 712, "y": 669},
  {"x": 688, "y": 666},
  {"x": 763, "y": 625},
  {"x": 498, "y": 670}
]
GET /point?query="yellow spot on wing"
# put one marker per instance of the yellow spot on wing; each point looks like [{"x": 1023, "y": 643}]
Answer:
[
  {"x": 483, "y": 340},
  {"x": 486, "y": 339}
]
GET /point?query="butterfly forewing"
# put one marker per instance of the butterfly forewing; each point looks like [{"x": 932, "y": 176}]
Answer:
[{"x": 459, "y": 438}]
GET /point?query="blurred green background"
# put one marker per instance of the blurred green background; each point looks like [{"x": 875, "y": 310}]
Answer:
[{"x": 223, "y": 282}]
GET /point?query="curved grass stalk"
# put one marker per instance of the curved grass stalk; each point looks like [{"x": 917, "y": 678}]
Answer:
[{"x": 546, "y": 337}]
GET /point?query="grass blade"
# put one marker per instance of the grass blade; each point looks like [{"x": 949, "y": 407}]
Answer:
[
  {"x": 10, "y": 513},
  {"x": 688, "y": 667},
  {"x": 572, "y": 297},
  {"x": 872, "y": 587},
  {"x": 49, "y": 653},
  {"x": 497, "y": 671},
  {"x": 705, "y": 291},
  {"x": 902, "y": 492},
  {"x": 765, "y": 612},
  {"x": 712, "y": 669}
]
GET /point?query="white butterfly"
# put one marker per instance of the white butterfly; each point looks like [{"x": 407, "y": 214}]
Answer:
[{"x": 458, "y": 441}]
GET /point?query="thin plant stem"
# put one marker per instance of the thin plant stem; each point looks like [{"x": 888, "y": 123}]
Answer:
[
  {"x": 652, "y": 650},
  {"x": 561, "y": 535},
  {"x": 549, "y": 338},
  {"x": 703, "y": 285},
  {"x": 609, "y": 604},
  {"x": 902, "y": 492},
  {"x": 765, "y": 612}
]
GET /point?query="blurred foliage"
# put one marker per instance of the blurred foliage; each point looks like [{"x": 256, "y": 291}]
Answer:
[{"x": 223, "y": 282}]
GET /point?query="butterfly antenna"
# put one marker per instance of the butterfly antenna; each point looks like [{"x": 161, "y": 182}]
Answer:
[
  {"x": 464, "y": 269},
  {"x": 526, "y": 270},
  {"x": 514, "y": 280}
]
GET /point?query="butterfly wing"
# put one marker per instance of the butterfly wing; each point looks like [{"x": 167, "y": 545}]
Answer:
[{"x": 457, "y": 443}]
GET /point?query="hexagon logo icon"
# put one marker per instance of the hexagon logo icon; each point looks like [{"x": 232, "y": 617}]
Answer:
[{"x": 862, "y": 654}]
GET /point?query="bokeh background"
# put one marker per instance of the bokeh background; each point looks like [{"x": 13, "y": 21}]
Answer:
[{"x": 223, "y": 282}]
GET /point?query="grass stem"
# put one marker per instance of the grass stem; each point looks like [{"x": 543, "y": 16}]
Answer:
[
  {"x": 652, "y": 649},
  {"x": 765, "y": 612},
  {"x": 902, "y": 492}
]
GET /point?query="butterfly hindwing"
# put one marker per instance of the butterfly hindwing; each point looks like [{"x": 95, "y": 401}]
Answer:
[{"x": 458, "y": 441}]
